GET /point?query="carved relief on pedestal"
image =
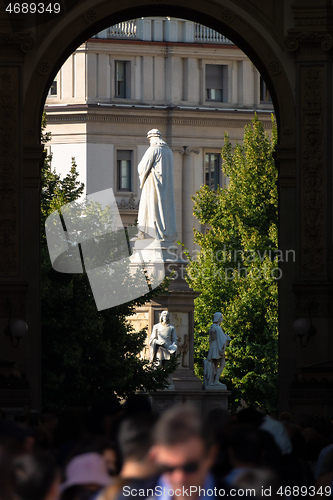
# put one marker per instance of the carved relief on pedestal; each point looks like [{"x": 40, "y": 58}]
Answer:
[
  {"x": 312, "y": 171},
  {"x": 9, "y": 125},
  {"x": 183, "y": 349},
  {"x": 138, "y": 321},
  {"x": 129, "y": 204},
  {"x": 181, "y": 322}
]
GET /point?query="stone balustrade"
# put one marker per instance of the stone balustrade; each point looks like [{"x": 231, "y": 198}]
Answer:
[{"x": 163, "y": 29}]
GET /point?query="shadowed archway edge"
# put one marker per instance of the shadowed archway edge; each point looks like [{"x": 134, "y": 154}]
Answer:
[
  {"x": 55, "y": 42},
  {"x": 76, "y": 26}
]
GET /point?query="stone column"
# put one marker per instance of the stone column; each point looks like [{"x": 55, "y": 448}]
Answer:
[
  {"x": 311, "y": 45},
  {"x": 188, "y": 190},
  {"x": 19, "y": 232}
]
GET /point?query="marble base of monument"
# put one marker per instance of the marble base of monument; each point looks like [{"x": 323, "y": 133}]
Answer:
[
  {"x": 205, "y": 401},
  {"x": 219, "y": 387},
  {"x": 186, "y": 387},
  {"x": 151, "y": 250},
  {"x": 184, "y": 380}
]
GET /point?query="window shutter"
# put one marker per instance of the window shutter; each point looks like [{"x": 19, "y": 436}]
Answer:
[
  {"x": 124, "y": 155},
  {"x": 214, "y": 76}
]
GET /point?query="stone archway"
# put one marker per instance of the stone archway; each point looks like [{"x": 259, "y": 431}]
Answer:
[{"x": 261, "y": 31}]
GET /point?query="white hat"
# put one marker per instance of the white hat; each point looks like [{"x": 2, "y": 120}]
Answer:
[
  {"x": 154, "y": 133},
  {"x": 86, "y": 468}
]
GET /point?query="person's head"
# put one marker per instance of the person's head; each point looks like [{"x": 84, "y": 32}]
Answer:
[
  {"x": 250, "y": 416},
  {"x": 102, "y": 417},
  {"x": 98, "y": 444},
  {"x": 36, "y": 477},
  {"x": 259, "y": 480},
  {"x": 135, "y": 437},
  {"x": 181, "y": 448},
  {"x": 136, "y": 404},
  {"x": 85, "y": 475},
  {"x": 135, "y": 443},
  {"x": 246, "y": 446},
  {"x": 164, "y": 317},
  {"x": 15, "y": 438},
  {"x": 217, "y": 318}
]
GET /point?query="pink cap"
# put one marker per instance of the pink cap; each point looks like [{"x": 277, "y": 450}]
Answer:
[{"x": 88, "y": 468}]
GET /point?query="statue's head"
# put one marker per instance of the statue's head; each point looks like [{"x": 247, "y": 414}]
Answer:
[
  {"x": 164, "y": 317},
  {"x": 153, "y": 133},
  {"x": 217, "y": 317}
]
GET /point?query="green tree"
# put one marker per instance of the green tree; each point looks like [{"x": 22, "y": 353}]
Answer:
[
  {"x": 87, "y": 354},
  {"x": 236, "y": 269}
]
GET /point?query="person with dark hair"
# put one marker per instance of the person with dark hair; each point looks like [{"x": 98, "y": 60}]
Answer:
[
  {"x": 136, "y": 404},
  {"x": 68, "y": 430},
  {"x": 245, "y": 449},
  {"x": 135, "y": 442},
  {"x": 183, "y": 451},
  {"x": 217, "y": 426},
  {"x": 36, "y": 477},
  {"x": 98, "y": 444},
  {"x": 103, "y": 416},
  {"x": 15, "y": 438},
  {"x": 250, "y": 416},
  {"x": 261, "y": 481},
  {"x": 138, "y": 470}
]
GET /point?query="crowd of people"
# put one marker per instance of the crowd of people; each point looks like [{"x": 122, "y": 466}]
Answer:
[{"x": 116, "y": 451}]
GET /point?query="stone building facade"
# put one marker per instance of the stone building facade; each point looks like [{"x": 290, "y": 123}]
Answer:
[{"x": 183, "y": 78}]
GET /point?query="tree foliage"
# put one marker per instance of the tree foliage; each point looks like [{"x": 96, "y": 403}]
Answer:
[
  {"x": 87, "y": 354},
  {"x": 236, "y": 269}
]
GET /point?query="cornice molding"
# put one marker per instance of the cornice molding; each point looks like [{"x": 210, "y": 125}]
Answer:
[{"x": 151, "y": 119}]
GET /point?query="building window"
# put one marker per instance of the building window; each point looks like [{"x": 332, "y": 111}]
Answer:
[
  {"x": 53, "y": 90},
  {"x": 122, "y": 79},
  {"x": 216, "y": 82},
  {"x": 212, "y": 170},
  {"x": 124, "y": 170},
  {"x": 265, "y": 96}
]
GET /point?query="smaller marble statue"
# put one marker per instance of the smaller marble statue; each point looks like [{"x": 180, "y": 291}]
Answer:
[
  {"x": 163, "y": 340},
  {"x": 215, "y": 362}
]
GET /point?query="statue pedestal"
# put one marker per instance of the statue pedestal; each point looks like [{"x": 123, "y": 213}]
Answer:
[
  {"x": 179, "y": 301},
  {"x": 205, "y": 401},
  {"x": 220, "y": 387},
  {"x": 154, "y": 251}
]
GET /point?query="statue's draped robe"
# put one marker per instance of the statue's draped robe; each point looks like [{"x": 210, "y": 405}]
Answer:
[
  {"x": 157, "y": 215},
  {"x": 217, "y": 342}
]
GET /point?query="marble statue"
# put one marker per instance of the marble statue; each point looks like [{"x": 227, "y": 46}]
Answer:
[
  {"x": 163, "y": 340},
  {"x": 157, "y": 215},
  {"x": 215, "y": 362}
]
